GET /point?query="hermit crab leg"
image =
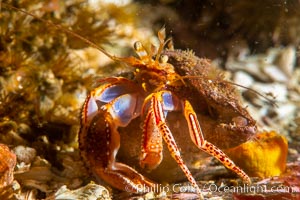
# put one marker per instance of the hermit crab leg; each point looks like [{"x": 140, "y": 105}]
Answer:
[
  {"x": 201, "y": 143},
  {"x": 160, "y": 103},
  {"x": 107, "y": 108}
]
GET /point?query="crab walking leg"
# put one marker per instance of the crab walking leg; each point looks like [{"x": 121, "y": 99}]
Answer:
[
  {"x": 201, "y": 143},
  {"x": 156, "y": 107}
]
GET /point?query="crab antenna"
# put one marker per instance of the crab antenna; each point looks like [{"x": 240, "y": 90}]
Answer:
[
  {"x": 60, "y": 27},
  {"x": 161, "y": 37},
  {"x": 162, "y": 42},
  {"x": 271, "y": 101},
  {"x": 170, "y": 44}
]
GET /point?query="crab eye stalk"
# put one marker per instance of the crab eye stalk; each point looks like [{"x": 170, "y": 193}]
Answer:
[
  {"x": 163, "y": 59},
  {"x": 138, "y": 46},
  {"x": 140, "y": 50}
]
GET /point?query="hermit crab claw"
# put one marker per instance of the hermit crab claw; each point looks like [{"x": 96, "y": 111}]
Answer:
[{"x": 111, "y": 105}]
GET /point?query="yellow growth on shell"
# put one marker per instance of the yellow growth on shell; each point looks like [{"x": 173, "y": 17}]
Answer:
[{"x": 264, "y": 156}]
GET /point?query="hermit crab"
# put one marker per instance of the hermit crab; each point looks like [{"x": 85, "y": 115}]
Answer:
[{"x": 164, "y": 81}]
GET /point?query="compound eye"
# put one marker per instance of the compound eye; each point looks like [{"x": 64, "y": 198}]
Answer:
[
  {"x": 163, "y": 59},
  {"x": 138, "y": 46}
]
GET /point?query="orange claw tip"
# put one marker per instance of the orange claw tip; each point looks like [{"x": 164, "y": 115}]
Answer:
[{"x": 264, "y": 156}]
